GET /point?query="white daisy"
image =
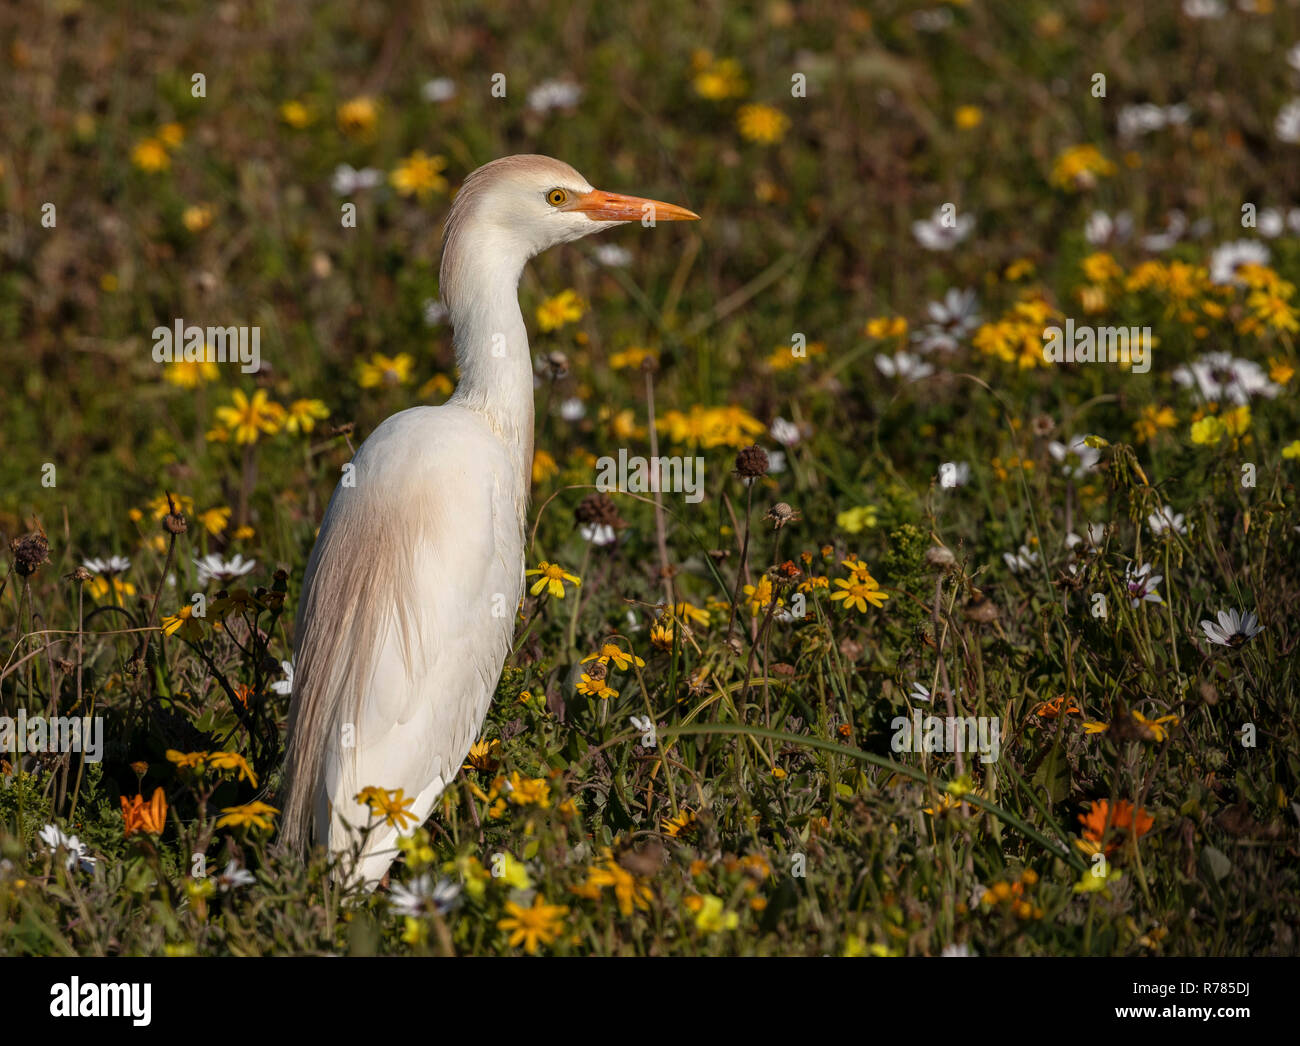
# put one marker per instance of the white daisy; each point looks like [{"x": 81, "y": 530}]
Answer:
[
  {"x": 554, "y": 94},
  {"x": 1219, "y": 376},
  {"x": 348, "y": 180},
  {"x": 1093, "y": 534},
  {"x": 234, "y": 877},
  {"x": 646, "y": 726},
  {"x": 1287, "y": 124},
  {"x": 1227, "y": 258},
  {"x": 1234, "y": 629},
  {"x": 1091, "y": 539},
  {"x": 1204, "y": 9},
  {"x": 954, "y": 474},
  {"x": 1175, "y": 226},
  {"x": 599, "y": 534},
  {"x": 611, "y": 255},
  {"x": 213, "y": 568},
  {"x": 903, "y": 365},
  {"x": 573, "y": 409},
  {"x": 1020, "y": 561},
  {"x": 1270, "y": 223},
  {"x": 1166, "y": 519},
  {"x": 958, "y": 951},
  {"x": 285, "y": 685},
  {"x": 442, "y": 89},
  {"x": 78, "y": 854},
  {"x": 1100, "y": 229},
  {"x": 1076, "y": 457},
  {"x": 935, "y": 234},
  {"x": 785, "y": 432},
  {"x": 950, "y": 321},
  {"x": 1135, "y": 120},
  {"x": 112, "y": 565},
  {"x": 775, "y": 462},
  {"x": 920, "y": 693},
  {"x": 422, "y": 896},
  {"x": 1141, "y": 584}
]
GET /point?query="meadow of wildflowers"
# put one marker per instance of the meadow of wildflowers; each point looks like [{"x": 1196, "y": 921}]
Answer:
[{"x": 730, "y": 724}]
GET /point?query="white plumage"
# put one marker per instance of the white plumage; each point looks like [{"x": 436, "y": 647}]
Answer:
[{"x": 408, "y": 601}]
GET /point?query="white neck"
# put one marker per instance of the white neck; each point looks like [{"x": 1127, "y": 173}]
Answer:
[{"x": 496, "y": 372}]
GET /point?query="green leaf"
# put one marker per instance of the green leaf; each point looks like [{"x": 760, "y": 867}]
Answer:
[
  {"x": 1216, "y": 863},
  {"x": 1053, "y": 775}
]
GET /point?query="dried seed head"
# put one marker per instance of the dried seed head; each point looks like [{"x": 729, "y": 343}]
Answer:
[
  {"x": 981, "y": 609},
  {"x": 1043, "y": 426},
  {"x": 780, "y": 514},
  {"x": 81, "y": 574},
  {"x": 29, "y": 552},
  {"x": 174, "y": 523},
  {"x": 751, "y": 462},
  {"x": 597, "y": 671},
  {"x": 556, "y": 365},
  {"x": 940, "y": 558},
  {"x": 1209, "y": 694},
  {"x": 599, "y": 510}
]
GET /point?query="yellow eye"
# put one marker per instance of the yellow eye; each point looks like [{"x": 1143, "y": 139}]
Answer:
[{"x": 556, "y": 197}]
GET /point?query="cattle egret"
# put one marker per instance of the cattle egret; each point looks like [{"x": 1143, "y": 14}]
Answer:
[{"x": 409, "y": 599}]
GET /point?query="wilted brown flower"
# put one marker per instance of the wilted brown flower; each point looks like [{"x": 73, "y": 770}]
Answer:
[
  {"x": 599, "y": 510},
  {"x": 751, "y": 462},
  {"x": 29, "y": 552}
]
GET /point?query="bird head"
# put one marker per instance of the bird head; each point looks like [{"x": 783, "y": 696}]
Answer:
[{"x": 518, "y": 206}]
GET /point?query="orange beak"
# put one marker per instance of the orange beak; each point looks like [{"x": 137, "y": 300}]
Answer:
[{"x": 601, "y": 206}]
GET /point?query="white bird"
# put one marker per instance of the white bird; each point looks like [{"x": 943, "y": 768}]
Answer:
[{"x": 408, "y": 603}]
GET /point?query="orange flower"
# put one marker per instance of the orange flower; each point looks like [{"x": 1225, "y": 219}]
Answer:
[
  {"x": 139, "y": 817},
  {"x": 1052, "y": 709},
  {"x": 1125, "y": 819}
]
